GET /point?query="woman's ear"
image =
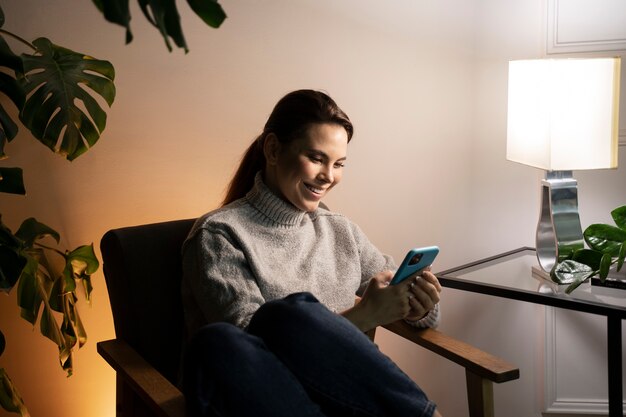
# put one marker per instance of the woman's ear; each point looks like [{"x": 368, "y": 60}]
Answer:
[{"x": 271, "y": 149}]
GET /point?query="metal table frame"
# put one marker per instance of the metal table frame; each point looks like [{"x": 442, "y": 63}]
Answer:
[{"x": 614, "y": 314}]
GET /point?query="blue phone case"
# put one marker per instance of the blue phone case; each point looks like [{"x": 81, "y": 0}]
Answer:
[{"x": 414, "y": 261}]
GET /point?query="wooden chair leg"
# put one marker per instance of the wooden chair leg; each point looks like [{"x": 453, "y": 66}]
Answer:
[
  {"x": 129, "y": 404},
  {"x": 479, "y": 395},
  {"x": 124, "y": 398}
]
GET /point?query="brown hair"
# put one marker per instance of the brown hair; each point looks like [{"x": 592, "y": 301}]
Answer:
[{"x": 290, "y": 119}]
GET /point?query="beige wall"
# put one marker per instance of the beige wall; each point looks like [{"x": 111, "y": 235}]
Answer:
[{"x": 425, "y": 84}]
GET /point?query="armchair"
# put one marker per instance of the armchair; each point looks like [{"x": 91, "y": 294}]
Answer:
[{"x": 142, "y": 268}]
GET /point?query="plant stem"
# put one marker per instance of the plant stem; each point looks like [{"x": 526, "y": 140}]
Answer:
[
  {"x": 18, "y": 38},
  {"x": 48, "y": 247}
]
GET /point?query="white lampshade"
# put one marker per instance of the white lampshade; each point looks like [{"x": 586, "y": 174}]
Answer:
[{"x": 563, "y": 113}]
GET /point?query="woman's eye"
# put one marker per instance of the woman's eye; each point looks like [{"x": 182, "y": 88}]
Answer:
[
  {"x": 340, "y": 165},
  {"x": 316, "y": 159}
]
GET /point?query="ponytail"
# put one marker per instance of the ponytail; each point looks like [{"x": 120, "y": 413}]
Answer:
[{"x": 253, "y": 161}]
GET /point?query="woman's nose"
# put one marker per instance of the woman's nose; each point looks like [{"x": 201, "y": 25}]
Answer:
[{"x": 326, "y": 174}]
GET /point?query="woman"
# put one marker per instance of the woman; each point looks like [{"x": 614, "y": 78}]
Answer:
[{"x": 270, "y": 279}]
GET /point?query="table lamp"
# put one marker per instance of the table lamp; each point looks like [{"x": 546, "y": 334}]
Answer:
[{"x": 562, "y": 116}]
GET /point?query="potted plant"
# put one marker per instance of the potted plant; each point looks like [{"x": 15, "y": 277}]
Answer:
[
  {"x": 44, "y": 83},
  {"x": 607, "y": 247}
]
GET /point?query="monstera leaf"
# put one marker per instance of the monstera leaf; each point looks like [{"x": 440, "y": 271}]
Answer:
[
  {"x": 54, "y": 80},
  {"x": 12, "y": 180},
  {"x": 12, "y": 260},
  {"x": 10, "y": 398},
  {"x": 163, "y": 15},
  {"x": 9, "y": 86}
]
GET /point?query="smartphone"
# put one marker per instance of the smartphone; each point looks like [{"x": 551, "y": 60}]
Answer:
[{"x": 414, "y": 261}]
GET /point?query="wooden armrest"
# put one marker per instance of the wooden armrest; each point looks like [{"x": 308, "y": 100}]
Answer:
[
  {"x": 163, "y": 398},
  {"x": 471, "y": 358}
]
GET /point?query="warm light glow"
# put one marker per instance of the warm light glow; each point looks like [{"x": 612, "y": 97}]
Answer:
[{"x": 563, "y": 113}]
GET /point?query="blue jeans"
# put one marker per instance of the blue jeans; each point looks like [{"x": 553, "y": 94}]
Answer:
[{"x": 296, "y": 358}]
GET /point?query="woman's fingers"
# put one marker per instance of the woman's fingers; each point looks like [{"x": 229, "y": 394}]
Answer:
[
  {"x": 425, "y": 288},
  {"x": 430, "y": 277},
  {"x": 423, "y": 294}
]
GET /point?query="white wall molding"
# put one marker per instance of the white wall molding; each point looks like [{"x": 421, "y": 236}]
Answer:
[
  {"x": 553, "y": 403},
  {"x": 568, "y": 30}
]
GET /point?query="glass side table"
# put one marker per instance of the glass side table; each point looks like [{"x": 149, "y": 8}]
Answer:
[{"x": 509, "y": 275}]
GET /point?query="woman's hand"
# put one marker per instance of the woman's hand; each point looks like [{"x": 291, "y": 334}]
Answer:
[
  {"x": 425, "y": 289},
  {"x": 383, "y": 303}
]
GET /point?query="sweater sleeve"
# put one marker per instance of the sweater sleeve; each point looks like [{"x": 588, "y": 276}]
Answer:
[
  {"x": 431, "y": 320},
  {"x": 372, "y": 260},
  {"x": 218, "y": 284}
]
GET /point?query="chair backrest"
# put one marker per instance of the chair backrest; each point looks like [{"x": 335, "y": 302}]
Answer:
[{"x": 143, "y": 271}]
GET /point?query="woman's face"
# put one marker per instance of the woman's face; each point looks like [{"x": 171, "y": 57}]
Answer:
[{"x": 304, "y": 171}]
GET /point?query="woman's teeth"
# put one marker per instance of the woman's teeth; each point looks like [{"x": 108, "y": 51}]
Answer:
[{"x": 313, "y": 189}]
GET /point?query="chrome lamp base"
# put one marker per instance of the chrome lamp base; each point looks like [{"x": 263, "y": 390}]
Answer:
[{"x": 558, "y": 232}]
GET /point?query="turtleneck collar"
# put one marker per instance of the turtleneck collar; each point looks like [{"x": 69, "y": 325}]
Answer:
[{"x": 272, "y": 206}]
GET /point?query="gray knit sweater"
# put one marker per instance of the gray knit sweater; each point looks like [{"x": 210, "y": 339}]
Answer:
[{"x": 261, "y": 248}]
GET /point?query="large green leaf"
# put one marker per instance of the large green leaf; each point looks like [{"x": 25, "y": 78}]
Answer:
[
  {"x": 572, "y": 273},
  {"x": 209, "y": 11},
  {"x": 56, "y": 294},
  {"x": 29, "y": 294},
  {"x": 31, "y": 230},
  {"x": 67, "y": 327},
  {"x": 72, "y": 327},
  {"x": 8, "y": 128},
  {"x": 11, "y": 64},
  {"x": 163, "y": 15},
  {"x": 34, "y": 291},
  {"x": 81, "y": 263},
  {"x": 12, "y": 260},
  {"x": 12, "y": 264},
  {"x": 12, "y": 181},
  {"x": 116, "y": 11},
  {"x": 605, "y": 266},
  {"x": 569, "y": 271},
  {"x": 81, "y": 333},
  {"x": 10, "y": 399},
  {"x": 50, "y": 328},
  {"x": 7, "y": 238},
  {"x": 588, "y": 257},
  {"x": 54, "y": 84},
  {"x": 621, "y": 256},
  {"x": 619, "y": 216},
  {"x": 605, "y": 238}
]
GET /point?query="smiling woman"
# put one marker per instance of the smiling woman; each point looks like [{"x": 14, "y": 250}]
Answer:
[{"x": 272, "y": 262}]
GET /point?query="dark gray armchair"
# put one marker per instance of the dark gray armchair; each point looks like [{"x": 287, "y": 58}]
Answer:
[{"x": 142, "y": 268}]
